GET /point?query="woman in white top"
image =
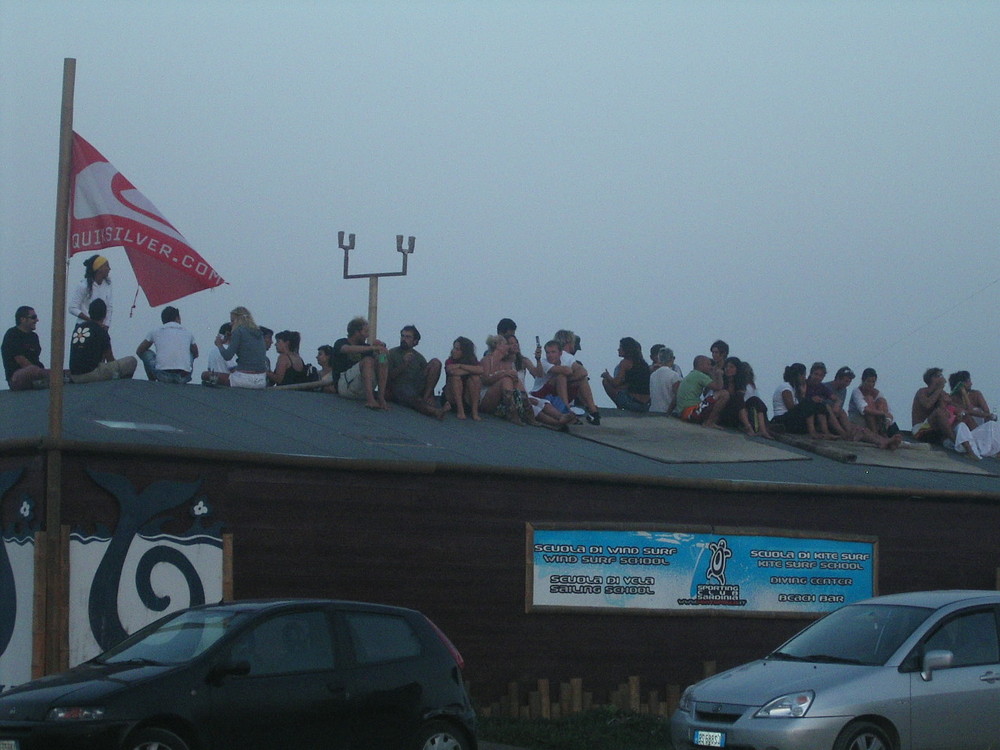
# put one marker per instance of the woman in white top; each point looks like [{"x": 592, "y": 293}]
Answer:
[{"x": 95, "y": 285}]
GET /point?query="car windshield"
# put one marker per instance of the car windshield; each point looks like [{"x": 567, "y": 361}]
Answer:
[
  {"x": 857, "y": 634},
  {"x": 173, "y": 640}
]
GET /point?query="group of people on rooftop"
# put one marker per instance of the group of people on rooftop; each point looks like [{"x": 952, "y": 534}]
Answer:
[{"x": 719, "y": 391}]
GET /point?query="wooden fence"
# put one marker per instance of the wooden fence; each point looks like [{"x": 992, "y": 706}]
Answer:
[{"x": 571, "y": 698}]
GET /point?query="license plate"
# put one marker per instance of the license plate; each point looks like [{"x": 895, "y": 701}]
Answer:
[
  {"x": 704, "y": 739},
  {"x": 8, "y": 744}
]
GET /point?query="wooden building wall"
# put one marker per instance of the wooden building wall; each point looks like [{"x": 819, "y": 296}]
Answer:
[{"x": 453, "y": 546}]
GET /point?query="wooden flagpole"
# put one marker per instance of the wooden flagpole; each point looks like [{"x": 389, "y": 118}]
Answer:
[
  {"x": 59, "y": 252},
  {"x": 56, "y": 634}
]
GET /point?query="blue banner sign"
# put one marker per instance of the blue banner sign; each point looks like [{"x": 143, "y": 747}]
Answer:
[{"x": 678, "y": 571}]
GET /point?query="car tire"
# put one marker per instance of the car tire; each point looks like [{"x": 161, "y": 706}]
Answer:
[
  {"x": 155, "y": 739},
  {"x": 863, "y": 735},
  {"x": 440, "y": 735}
]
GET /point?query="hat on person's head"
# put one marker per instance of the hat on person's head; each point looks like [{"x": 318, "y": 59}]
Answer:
[{"x": 845, "y": 371}]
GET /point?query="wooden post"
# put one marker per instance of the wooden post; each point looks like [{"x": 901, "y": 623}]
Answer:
[
  {"x": 56, "y": 636},
  {"x": 227, "y": 567},
  {"x": 576, "y": 694},
  {"x": 372, "y": 308},
  {"x": 633, "y": 694},
  {"x": 543, "y": 695}
]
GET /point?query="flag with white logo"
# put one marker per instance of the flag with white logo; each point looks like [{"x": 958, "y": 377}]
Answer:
[{"x": 107, "y": 211}]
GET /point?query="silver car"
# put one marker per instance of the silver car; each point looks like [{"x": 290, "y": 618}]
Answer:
[{"x": 918, "y": 671}]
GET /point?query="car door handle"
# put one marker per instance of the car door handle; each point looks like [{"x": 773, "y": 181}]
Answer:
[{"x": 990, "y": 677}]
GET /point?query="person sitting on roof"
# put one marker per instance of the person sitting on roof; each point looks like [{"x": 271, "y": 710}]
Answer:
[
  {"x": 361, "y": 367},
  {"x": 973, "y": 402},
  {"x": 792, "y": 410},
  {"x": 577, "y": 378},
  {"x": 462, "y": 378},
  {"x": 869, "y": 408},
  {"x": 290, "y": 368},
  {"x": 324, "y": 356},
  {"x": 90, "y": 355},
  {"x": 21, "y": 351},
  {"x": 629, "y": 386},
  {"x": 500, "y": 383},
  {"x": 168, "y": 353},
  {"x": 663, "y": 384},
  {"x": 246, "y": 348},
  {"x": 215, "y": 361},
  {"x": 412, "y": 379},
  {"x": 934, "y": 415},
  {"x": 542, "y": 410},
  {"x": 702, "y": 394}
]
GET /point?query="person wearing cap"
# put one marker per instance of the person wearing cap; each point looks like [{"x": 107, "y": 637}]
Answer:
[
  {"x": 577, "y": 377},
  {"x": 96, "y": 284}
]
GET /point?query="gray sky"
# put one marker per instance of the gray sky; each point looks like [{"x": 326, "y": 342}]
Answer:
[{"x": 807, "y": 180}]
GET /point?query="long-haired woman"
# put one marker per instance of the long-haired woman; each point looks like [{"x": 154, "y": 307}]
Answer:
[
  {"x": 462, "y": 378},
  {"x": 246, "y": 344},
  {"x": 629, "y": 386}
]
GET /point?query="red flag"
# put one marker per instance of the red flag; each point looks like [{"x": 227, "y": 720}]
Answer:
[{"x": 107, "y": 211}]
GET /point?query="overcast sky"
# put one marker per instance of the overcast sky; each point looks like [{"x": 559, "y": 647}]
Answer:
[{"x": 806, "y": 180}]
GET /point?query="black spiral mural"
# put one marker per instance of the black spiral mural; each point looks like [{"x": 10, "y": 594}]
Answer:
[
  {"x": 139, "y": 512},
  {"x": 8, "y": 592}
]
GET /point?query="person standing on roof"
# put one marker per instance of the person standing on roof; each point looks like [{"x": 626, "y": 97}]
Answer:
[{"x": 96, "y": 284}]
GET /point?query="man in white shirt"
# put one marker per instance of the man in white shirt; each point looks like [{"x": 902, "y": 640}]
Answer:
[
  {"x": 663, "y": 384},
  {"x": 168, "y": 353}
]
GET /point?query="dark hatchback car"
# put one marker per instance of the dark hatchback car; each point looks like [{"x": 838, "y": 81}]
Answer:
[{"x": 277, "y": 674}]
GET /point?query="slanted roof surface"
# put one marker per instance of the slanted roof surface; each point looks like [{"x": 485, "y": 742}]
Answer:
[{"x": 136, "y": 414}]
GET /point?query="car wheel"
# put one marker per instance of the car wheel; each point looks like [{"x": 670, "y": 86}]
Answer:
[
  {"x": 155, "y": 739},
  {"x": 863, "y": 735},
  {"x": 439, "y": 735}
]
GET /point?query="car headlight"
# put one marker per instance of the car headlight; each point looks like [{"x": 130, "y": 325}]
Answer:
[
  {"x": 75, "y": 713},
  {"x": 686, "y": 703},
  {"x": 790, "y": 706}
]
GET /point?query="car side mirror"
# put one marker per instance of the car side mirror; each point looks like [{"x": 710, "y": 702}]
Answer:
[
  {"x": 225, "y": 669},
  {"x": 934, "y": 660}
]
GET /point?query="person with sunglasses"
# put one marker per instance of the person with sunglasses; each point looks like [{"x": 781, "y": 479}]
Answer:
[{"x": 21, "y": 351}]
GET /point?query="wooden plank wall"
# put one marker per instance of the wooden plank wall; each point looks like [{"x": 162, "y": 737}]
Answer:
[{"x": 452, "y": 545}]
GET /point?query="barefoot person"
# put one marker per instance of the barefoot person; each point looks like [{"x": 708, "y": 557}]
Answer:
[
  {"x": 412, "y": 379},
  {"x": 463, "y": 378},
  {"x": 361, "y": 367},
  {"x": 702, "y": 394}
]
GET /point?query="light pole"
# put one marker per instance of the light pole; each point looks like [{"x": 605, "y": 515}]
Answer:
[{"x": 374, "y": 277}]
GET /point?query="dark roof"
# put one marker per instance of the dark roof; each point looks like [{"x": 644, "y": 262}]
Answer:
[{"x": 298, "y": 426}]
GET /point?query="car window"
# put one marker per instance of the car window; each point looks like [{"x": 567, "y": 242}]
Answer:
[
  {"x": 292, "y": 642},
  {"x": 174, "y": 640},
  {"x": 381, "y": 638},
  {"x": 972, "y": 639}
]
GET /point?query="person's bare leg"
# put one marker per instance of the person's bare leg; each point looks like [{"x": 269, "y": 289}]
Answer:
[
  {"x": 368, "y": 380},
  {"x": 721, "y": 399},
  {"x": 473, "y": 384}
]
